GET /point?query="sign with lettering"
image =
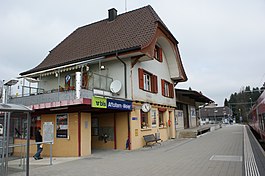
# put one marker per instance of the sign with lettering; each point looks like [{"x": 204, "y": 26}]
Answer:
[
  {"x": 119, "y": 105},
  {"x": 98, "y": 102},
  {"x": 48, "y": 131}
]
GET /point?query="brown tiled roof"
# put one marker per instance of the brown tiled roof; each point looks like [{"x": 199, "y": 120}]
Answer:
[{"x": 128, "y": 31}]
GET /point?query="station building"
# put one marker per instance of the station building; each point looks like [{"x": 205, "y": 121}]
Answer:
[{"x": 105, "y": 86}]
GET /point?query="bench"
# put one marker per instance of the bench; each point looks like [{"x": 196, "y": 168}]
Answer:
[{"x": 150, "y": 138}]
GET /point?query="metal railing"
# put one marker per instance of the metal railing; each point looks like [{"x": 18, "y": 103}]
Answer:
[
  {"x": 22, "y": 155},
  {"x": 33, "y": 95},
  {"x": 101, "y": 82},
  {"x": 27, "y": 91}
]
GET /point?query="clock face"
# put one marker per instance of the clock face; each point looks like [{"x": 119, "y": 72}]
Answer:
[{"x": 146, "y": 107}]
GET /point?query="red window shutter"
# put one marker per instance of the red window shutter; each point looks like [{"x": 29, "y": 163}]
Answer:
[
  {"x": 160, "y": 55},
  {"x": 141, "y": 78},
  {"x": 163, "y": 87},
  {"x": 154, "y": 84},
  {"x": 155, "y": 52},
  {"x": 171, "y": 90}
]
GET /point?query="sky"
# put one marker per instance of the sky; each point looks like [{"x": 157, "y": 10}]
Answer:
[{"x": 221, "y": 42}]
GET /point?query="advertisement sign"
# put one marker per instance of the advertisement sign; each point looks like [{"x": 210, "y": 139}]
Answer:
[
  {"x": 193, "y": 112},
  {"x": 98, "y": 102},
  {"x": 62, "y": 126}
]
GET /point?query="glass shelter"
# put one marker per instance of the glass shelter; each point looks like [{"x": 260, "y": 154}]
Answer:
[{"x": 7, "y": 112}]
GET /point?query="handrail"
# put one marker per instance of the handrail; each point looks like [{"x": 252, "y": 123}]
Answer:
[{"x": 24, "y": 145}]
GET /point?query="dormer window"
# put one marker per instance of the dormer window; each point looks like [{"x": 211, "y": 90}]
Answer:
[{"x": 158, "y": 53}]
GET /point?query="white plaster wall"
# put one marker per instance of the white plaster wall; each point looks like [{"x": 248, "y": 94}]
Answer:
[
  {"x": 115, "y": 70},
  {"x": 162, "y": 72}
]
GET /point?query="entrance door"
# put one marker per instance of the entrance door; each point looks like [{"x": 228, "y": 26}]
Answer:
[
  {"x": 102, "y": 130},
  {"x": 186, "y": 116}
]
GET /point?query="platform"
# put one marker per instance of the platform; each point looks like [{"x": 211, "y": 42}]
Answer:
[
  {"x": 196, "y": 131},
  {"x": 229, "y": 151}
]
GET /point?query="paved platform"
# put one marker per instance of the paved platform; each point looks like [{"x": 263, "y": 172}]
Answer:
[
  {"x": 230, "y": 150},
  {"x": 196, "y": 131}
]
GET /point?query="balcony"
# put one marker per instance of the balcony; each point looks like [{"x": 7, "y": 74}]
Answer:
[{"x": 36, "y": 96}]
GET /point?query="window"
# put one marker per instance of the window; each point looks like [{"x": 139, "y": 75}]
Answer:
[
  {"x": 167, "y": 89},
  {"x": 161, "y": 118},
  {"x": 147, "y": 81},
  {"x": 158, "y": 53},
  {"x": 94, "y": 126},
  {"x": 62, "y": 126},
  {"x": 153, "y": 117},
  {"x": 144, "y": 120}
]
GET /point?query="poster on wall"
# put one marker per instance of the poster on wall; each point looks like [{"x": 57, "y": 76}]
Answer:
[
  {"x": 62, "y": 126},
  {"x": 179, "y": 119},
  {"x": 193, "y": 112}
]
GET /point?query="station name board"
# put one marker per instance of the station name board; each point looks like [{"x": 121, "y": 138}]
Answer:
[{"x": 98, "y": 102}]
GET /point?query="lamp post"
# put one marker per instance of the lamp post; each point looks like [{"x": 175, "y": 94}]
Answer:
[
  {"x": 215, "y": 111},
  {"x": 250, "y": 103},
  {"x": 240, "y": 118}
]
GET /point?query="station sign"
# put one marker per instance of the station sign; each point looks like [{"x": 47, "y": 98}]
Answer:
[
  {"x": 119, "y": 105},
  {"x": 98, "y": 102}
]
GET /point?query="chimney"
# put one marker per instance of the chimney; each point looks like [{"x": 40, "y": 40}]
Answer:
[{"x": 112, "y": 14}]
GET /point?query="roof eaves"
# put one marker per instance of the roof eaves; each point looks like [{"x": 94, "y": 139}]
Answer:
[{"x": 121, "y": 51}]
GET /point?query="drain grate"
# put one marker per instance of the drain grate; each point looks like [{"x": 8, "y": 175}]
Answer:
[
  {"x": 92, "y": 158},
  {"x": 226, "y": 158}
]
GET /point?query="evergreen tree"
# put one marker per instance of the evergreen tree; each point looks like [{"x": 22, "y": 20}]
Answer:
[
  {"x": 226, "y": 102},
  {"x": 242, "y": 102}
]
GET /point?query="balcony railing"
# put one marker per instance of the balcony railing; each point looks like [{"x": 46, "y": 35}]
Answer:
[
  {"x": 50, "y": 97},
  {"x": 33, "y": 96}
]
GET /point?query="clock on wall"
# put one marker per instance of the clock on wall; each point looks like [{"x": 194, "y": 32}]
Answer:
[{"x": 146, "y": 107}]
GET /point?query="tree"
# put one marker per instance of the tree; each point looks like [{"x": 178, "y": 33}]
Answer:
[
  {"x": 241, "y": 102},
  {"x": 226, "y": 102}
]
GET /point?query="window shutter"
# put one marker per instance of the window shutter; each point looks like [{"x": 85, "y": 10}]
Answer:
[
  {"x": 160, "y": 54},
  {"x": 155, "y": 52},
  {"x": 141, "y": 78},
  {"x": 171, "y": 90},
  {"x": 154, "y": 84},
  {"x": 163, "y": 87}
]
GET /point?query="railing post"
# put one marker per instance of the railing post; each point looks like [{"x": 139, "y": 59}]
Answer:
[
  {"x": 24, "y": 158},
  {"x": 50, "y": 153}
]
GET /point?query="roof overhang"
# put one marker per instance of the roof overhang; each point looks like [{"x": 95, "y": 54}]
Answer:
[
  {"x": 14, "y": 108},
  {"x": 198, "y": 97}
]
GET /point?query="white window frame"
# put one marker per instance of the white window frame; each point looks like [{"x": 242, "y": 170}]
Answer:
[
  {"x": 166, "y": 89},
  {"x": 147, "y": 81}
]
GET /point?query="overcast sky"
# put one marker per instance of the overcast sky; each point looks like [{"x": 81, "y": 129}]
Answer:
[{"x": 221, "y": 42}]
